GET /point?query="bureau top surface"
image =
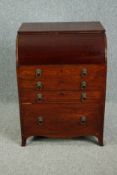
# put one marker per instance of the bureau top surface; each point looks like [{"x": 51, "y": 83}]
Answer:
[{"x": 80, "y": 27}]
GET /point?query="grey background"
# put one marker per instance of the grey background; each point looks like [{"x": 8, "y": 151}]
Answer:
[
  {"x": 54, "y": 156},
  {"x": 14, "y": 12}
]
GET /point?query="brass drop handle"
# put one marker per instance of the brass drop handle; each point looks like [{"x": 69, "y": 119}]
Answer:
[
  {"x": 84, "y": 72},
  {"x": 39, "y": 97},
  {"x": 83, "y": 96},
  {"x": 83, "y": 120},
  {"x": 38, "y": 72},
  {"x": 39, "y": 85},
  {"x": 40, "y": 120},
  {"x": 83, "y": 85}
]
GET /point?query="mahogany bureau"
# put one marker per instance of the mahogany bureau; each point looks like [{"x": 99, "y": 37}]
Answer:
[{"x": 61, "y": 73}]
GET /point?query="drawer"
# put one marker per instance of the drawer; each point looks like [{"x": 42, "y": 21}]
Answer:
[
  {"x": 62, "y": 77},
  {"x": 59, "y": 120},
  {"x": 28, "y": 96}
]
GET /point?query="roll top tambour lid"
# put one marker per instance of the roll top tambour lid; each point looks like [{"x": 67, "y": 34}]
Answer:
[{"x": 61, "y": 43}]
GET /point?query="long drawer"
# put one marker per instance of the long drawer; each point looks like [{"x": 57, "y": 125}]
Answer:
[
  {"x": 60, "y": 120},
  {"x": 29, "y": 96}
]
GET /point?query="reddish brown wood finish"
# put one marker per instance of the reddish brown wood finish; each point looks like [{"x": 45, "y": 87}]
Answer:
[
  {"x": 61, "y": 43},
  {"x": 69, "y": 49},
  {"x": 72, "y": 27},
  {"x": 67, "y": 77},
  {"x": 63, "y": 121},
  {"x": 29, "y": 96},
  {"x": 61, "y": 51}
]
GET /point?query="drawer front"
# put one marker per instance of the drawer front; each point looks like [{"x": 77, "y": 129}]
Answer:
[
  {"x": 28, "y": 96},
  {"x": 59, "y": 120},
  {"x": 61, "y": 77}
]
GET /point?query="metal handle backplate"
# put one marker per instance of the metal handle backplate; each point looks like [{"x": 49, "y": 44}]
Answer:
[
  {"x": 39, "y": 85},
  {"x": 83, "y": 85},
  {"x": 84, "y": 72},
  {"x": 83, "y": 96},
  {"x": 39, "y": 97},
  {"x": 38, "y": 72},
  {"x": 40, "y": 120},
  {"x": 83, "y": 120}
]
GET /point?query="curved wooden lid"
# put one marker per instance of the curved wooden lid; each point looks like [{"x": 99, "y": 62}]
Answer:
[{"x": 61, "y": 43}]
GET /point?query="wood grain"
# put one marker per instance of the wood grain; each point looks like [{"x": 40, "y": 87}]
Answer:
[
  {"x": 29, "y": 96},
  {"x": 60, "y": 120},
  {"x": 56, "y": 48},
  {"x": 61, "y": 51},
  {"x": 66, "y": 77}
]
